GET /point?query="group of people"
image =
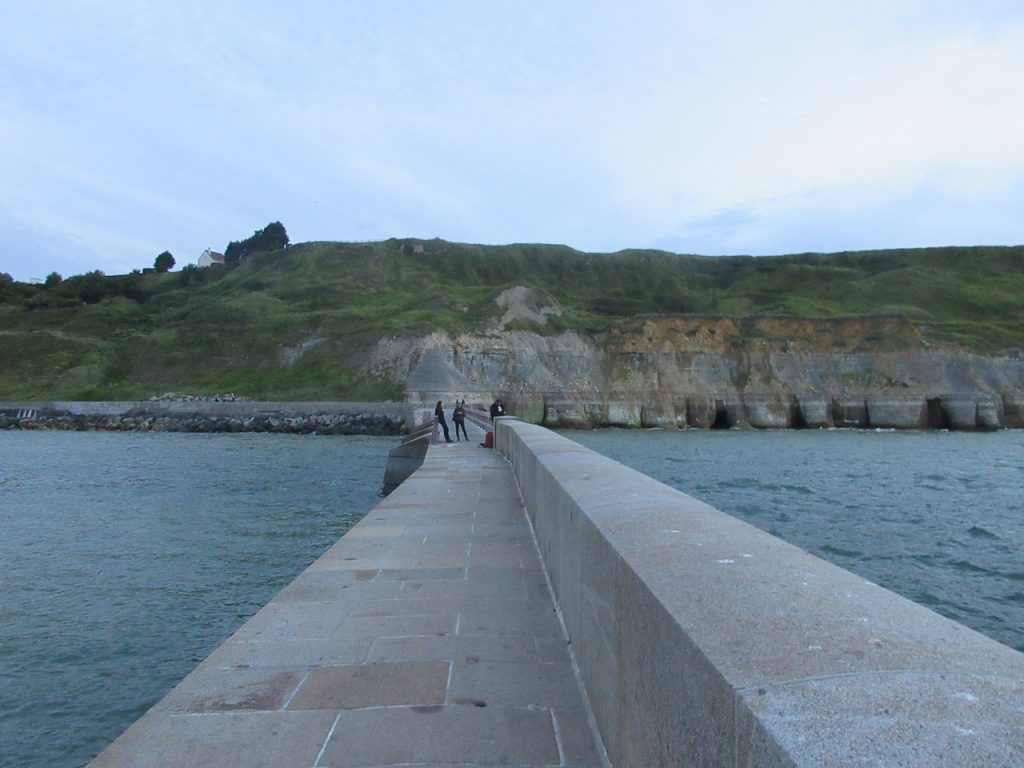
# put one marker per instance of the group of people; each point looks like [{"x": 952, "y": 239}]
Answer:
[{"x": 459, "y": 417}]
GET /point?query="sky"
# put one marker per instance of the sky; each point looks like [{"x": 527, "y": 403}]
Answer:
[{"x": 130, "y": 128}]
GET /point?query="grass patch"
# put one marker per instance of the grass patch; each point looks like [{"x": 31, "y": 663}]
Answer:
[{"x": 226, "y": 328}]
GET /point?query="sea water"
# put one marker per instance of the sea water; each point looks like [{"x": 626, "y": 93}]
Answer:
[
  {"x": 937, "y": 517},
  {"x": 126, "y": 558}
]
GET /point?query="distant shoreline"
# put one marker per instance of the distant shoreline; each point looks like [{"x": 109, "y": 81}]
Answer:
[
  {"x": 325, "y": 418},
  {"x": 972, "y": 412}
]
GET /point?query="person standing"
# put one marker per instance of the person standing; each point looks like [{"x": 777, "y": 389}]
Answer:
[
  {"x": 497, "y": 409},
  {"x": 459, "y": 417},
  {"x": 439, "y": 415}
]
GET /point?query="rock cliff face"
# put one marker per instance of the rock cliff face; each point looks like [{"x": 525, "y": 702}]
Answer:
[{"x": 766, "y": 372}]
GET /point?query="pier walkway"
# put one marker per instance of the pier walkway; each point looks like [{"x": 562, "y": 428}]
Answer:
[{"x": 426, "y": 636}]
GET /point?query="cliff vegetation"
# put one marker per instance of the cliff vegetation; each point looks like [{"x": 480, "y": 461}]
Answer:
[{"x": 305, "y": 322}]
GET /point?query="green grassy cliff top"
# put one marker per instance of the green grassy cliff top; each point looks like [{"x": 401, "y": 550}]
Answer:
[{"x": 235, "y": 328}]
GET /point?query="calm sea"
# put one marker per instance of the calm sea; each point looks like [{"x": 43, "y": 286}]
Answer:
[
  {"x": 127, "y": 558},
  {"x": 937, "y": 517}
]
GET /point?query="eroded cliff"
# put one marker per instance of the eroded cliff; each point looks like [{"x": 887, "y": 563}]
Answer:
[{"x": 710, "y": 372}]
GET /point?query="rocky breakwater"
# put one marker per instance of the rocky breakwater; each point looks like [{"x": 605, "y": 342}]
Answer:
[
  {"x": 710, "y": 372},
  {"x": 249, "y": 417}
]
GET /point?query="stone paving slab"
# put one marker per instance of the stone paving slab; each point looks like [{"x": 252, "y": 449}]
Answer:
[
  {"x": 425, "y": 637},
  {"x": 457, "y": 734},
  {"x": 358, "y": 686}
]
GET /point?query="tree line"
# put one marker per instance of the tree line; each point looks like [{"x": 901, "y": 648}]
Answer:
[{"x": 95, "y": 286}]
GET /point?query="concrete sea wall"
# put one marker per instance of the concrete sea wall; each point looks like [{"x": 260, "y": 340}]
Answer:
[
  {"x": 703, "y": 641},
  {"x": 334, "y": 418}
]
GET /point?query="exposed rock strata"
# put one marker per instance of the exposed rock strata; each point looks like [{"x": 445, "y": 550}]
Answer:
[{"x": 713, "y": 372}]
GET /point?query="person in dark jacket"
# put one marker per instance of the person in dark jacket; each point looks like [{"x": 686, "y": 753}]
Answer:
[
  {"x": 459, "y": 417},
  {"x": 439, "y": 414},
  {"x": 497, "y": 409}
]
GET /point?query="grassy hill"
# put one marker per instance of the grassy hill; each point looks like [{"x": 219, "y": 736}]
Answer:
[{"x": 242, "y": 328}]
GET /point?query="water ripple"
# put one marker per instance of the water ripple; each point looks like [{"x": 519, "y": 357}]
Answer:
[
  {"x": 110, "y": 540},
  {"x": 890, "y": 506},
  {"x": 981, "y": 533}
]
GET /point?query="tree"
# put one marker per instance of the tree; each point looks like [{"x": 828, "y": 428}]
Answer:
[
  {"x": 272, "y": 237},
  {"x": 8, "y": 288},
  {"x": 164, "y": 262},
  {"x": 53, "y": 279},
  {"x": 234, "y": 253}
]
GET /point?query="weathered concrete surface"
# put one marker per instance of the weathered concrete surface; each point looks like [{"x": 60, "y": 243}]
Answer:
[
  {"x": 769, "y": 410},
  {"x": 895, "y": 412},
  {"x": 1013, "y": 409},
  {"x": 813, "y": 411},
  {"x": 703, "y": 641},
  {"x": 426, "y": 636}
]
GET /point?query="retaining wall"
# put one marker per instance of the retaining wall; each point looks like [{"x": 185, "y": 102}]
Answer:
[{"x": 703, "y": 641}]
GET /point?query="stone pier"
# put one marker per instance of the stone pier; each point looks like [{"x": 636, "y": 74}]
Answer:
[
  {"x": 426, "y": 636},
  {"x": 704, "y": 641}
]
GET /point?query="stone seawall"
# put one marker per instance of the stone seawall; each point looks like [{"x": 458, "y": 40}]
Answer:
[
  {"x": 975, "y": 411},
  {"x": 702, "y": 640},
  {"x": 177, "y": 416}
]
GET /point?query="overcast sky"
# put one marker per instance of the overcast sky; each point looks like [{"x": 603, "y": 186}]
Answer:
[{"x": 129, "y": 128}]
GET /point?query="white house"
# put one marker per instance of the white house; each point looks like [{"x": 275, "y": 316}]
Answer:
[{"x": 209, "y": 258}]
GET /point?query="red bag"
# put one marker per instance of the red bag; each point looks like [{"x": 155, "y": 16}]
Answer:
[{"x": 488, "y": 440}]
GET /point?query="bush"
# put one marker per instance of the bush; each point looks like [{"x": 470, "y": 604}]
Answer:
[
  {"x": 90, "y": 288},
  {"x": 190, "y": 274}
]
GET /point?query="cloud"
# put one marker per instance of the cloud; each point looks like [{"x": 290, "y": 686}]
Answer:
[
  {"x": 740, "y": 126},
  {"x": 931, "y": 211}
]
